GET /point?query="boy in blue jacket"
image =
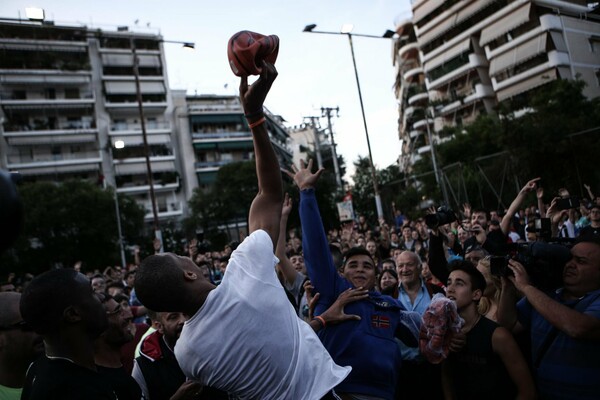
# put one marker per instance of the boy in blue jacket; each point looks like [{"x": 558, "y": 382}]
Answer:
[{"x": 368, "y": 344}]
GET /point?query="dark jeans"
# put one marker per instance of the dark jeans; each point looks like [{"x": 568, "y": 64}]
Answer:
[{"x": 419, "y": 381}]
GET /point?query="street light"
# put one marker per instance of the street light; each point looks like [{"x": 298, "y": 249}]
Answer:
[
  {"x": 347, "y": 30},
  {"x": 438, "y": 178},
  {"x": 138, "y": 93}
]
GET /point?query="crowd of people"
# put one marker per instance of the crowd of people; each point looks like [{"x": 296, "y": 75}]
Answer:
[{"x": 308, "y": 313}]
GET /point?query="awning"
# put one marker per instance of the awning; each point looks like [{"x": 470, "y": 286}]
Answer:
[
  {"x": 30, "y": 45},
  {"x": 225, "y": 145},
  {"x": 527, "y": 84},
  {"x": 516, "y": 18},
  {"x": 449, "y": 23},
  {"x": 126, "y": 60},
  {"x": 424, "y": 9},
  {"x": 518, "y": 54},
  {"x": 449, "y": 54},
  {"x": 559, "y": 41},
  {"x": 128, "y": 87},
  {"x": 217, "y": 119}
]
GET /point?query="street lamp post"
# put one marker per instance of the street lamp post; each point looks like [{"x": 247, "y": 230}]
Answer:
[
  {"x": 138, "y": 93},
  {"x": 119, "y": 145},
  {"x": 346, "y": 30},
  {"x": 326, "y": 112}
]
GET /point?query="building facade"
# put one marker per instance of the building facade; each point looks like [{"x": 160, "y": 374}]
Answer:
[
  {"x": 458, "y": 59},
  {"x": 219, "y": 135},
  {"x": 68, "y": 95}
]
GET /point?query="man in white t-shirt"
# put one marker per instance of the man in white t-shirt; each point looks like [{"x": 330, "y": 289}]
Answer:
[{"x": 244, "y": 336}]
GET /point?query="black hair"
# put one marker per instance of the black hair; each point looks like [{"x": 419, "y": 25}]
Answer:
[
  {"x": 477, "y": 278},
  {"x": 159, "y": 283},
  {"x": 115, "y": 284},
  {"x": 481, "y": 210},
  {"x": 356, "y": 251},
  {"x": 337, "y": 256},
  {"x": 390, "y": 271},
  {"x": 47, "y": 296},
  {"x": 119, "y": 297}
]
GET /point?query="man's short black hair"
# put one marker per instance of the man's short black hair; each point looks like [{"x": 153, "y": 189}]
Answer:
[
  {"x": 47, "y": 296},
  {"x": 159, "y": 283},
  {"x": 337, "y": 256},
  {"x": 356, "y": 251},
  {"x": 481, "y": 210},
  {"x": 115, "y": 284},
  {"x": 477, "y": 279},
  {"x": 119, "y": 297}
]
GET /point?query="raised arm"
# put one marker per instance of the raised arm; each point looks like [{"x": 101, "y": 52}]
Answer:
[
  {"x": 315, "y": 246},
  {"x": 265, "y": 210},
  {"x": 514, "y": 206},
  {"x": 285, "y": 265}
]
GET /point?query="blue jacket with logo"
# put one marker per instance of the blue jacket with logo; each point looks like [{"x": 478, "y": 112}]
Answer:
[{"x": 369, "y": 346}]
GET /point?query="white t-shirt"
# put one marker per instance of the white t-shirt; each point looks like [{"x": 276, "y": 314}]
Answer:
[{"x": 247, "y": 339}]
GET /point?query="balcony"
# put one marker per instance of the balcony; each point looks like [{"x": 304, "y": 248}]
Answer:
[
  {"x": 205, "y": 166},
  {"x": 418, "y": 98},
  {"x": 164, "y": 211},
  {"x": 424, "y": 149},
  {"x": 454, "y": 72},
  {"x": 409, "y": 50},
  {"x": 415, "y": 134},
  {"x": 13, "y": 100},
  {"x": 412, "y": 73},
  {"x": 48, "y": 77},
  {"x": 57, "y": 136},
  {"x": 61, "y": 163},
  {"x": 132, "y": 166},
  {"x": 144, "y": 187},
  {"x": 195, "y": 108},
  {"x": 202, "y": 137},
  {"x": 481, "y": 91}
]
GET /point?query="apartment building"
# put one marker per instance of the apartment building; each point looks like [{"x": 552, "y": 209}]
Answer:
[
  {"x": 458, "y": 59},
  {"x": 68, "y": 96},
  {"x": 220, "y": 135}
]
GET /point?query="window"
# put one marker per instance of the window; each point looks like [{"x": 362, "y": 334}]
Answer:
[
  {"x": 598, "y": 77},
  {"x": 594, "y": 42}
]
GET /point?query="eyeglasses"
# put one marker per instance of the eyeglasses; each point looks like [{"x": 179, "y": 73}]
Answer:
[
  {"x": 21, "y": 325},
  {"x": 116, "y": 311}
]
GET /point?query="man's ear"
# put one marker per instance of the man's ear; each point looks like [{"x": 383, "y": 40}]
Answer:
[
  {"x": 70, "y": 314},
  {"x": 477, "y": 295},
  {"x": 189, "y": 275},
  {"x": 160, "y": 328}
]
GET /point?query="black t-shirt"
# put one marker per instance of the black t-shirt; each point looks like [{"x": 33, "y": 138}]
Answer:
[
  {"x": 123, "y": 384},
  {"x": 589, "y": 231},
  {"x": 63, "y": 380}
]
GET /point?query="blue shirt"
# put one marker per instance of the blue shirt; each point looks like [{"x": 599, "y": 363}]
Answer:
[
  {"x": 421, "y": 303},
  {"x": 570, "y": 368}
]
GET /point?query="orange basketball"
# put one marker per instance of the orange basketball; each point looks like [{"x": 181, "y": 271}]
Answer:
[{"x": 246, "y": 50}]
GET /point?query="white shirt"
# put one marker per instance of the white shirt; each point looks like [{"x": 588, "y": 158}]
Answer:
[{"x": 247, "y": 339}]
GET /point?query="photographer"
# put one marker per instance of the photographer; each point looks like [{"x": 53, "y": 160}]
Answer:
[{"x": 564, "y": 326}]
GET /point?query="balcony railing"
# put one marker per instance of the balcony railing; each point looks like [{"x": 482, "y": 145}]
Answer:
[
  {"x": 138, "y": 127},
  {"x": 27, "y": 97},
  {"x": 41, "y": 125},
  {"x": 44, "y": 158}
]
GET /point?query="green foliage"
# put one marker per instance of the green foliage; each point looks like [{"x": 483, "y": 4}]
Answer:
[
  {"x": 536, "y": 143},
  {"x": 228, "y": 199},
  {"x": 70, "y": 222},
  {"x": 363, "y": 196}
]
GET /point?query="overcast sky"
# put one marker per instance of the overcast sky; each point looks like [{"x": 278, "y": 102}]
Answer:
[{"x": 314, "y": 70}]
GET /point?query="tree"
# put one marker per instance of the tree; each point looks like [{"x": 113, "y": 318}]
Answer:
[
  {"x": 363, "y": 196},
  {"x": 70, "y": 222}
]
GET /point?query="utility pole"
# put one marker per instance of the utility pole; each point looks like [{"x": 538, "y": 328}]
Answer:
[
  {"x": 326, "y": 112},
  {"x": 314, "y": 124}
]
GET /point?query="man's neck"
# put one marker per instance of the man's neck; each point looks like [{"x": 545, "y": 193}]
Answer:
[
  {"x": 469, "y": 314},
  {"x": 107, "y": 355},
  {"x": 78, "y": 349}
]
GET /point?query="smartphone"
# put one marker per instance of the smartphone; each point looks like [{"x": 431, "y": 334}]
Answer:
[{"x": 567, "y": 203}]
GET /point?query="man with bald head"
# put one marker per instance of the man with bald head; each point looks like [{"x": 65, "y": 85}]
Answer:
[
  {"x": 19, "y": 346},
  {"x": 243, "y": 337}
]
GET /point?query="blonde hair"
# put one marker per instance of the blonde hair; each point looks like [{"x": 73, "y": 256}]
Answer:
[{"x": 485, "y": 303}]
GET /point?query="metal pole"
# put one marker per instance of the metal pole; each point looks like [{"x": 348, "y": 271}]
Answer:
[
  {"x": 118, "y": 212},
  {"x": 439, "y": 181},
  {"x": 138, "y": 92},
  {"x": 362, "y": 109},
  {"x": 327, "y": 112}
]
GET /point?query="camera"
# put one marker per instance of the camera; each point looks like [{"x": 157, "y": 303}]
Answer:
[
  {"x": 444, "y": 215},
  {"x": 499, "y": 266}
]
